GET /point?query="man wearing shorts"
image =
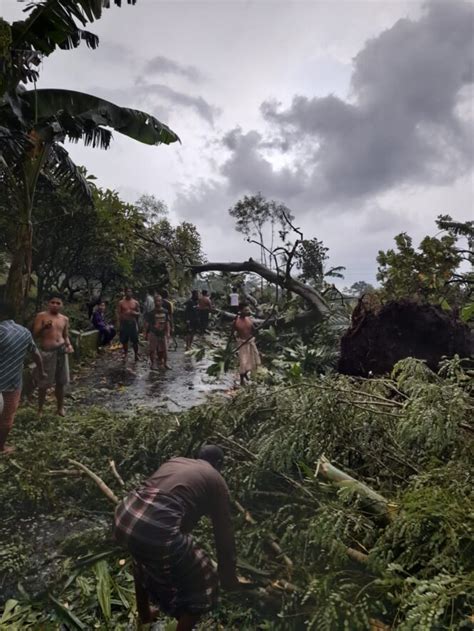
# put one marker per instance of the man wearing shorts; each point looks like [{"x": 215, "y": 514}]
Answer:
[
  {"x": 128, "y": 311},
  {"x": 50, "y": 328},
  {"x": 154, "y": 523},
  {"x": 15, "y": 343}
]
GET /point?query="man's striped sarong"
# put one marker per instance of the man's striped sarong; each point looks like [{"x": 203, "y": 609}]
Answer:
[{"x": 178, "y": 576}]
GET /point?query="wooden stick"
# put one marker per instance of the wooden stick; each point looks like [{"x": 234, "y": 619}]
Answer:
[
  {"x": 271, "y": 543},
  {"x": 65, "y": 472},
  {"x": 100, "y": 483},
  {"x": 355, "y": 555},
  {"x": 116, "y": 473}
]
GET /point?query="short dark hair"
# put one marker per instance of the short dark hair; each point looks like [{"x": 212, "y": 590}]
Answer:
[
  {"x": 204, "y": 292},
  {"x": 55, "y": 295},
  {"x": 164, "y": 293},
  {"x": 7, "y": 312},
  {"x": 194, "y": 291},
  {"x": 234, "y": 289},
  {"x": 212, "y": 454}
]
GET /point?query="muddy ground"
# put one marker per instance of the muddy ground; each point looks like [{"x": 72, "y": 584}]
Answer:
[{"x": 126, "y": 385}]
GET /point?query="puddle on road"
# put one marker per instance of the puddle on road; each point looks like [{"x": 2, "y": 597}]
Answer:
[{"x": 126, "y": 385}]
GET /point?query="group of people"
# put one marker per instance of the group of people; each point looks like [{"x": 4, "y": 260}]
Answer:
[{"x": 154, "y": 522}]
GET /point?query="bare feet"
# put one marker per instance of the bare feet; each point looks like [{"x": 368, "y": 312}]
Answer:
[
  {"x": 61, "y": 412},
  {"x": 7, "y": 450}
]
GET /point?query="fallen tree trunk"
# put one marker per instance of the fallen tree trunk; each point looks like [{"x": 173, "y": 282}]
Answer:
[{"x": 319, "y": 306}]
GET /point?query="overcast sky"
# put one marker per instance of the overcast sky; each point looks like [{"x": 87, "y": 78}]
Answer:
[{"x": 357, "y": 115}]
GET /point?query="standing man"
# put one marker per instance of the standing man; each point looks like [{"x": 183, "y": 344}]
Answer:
[
  {"x": 167, "y": 304},
  {"x": 191, "y": 316},
  {"x": 157, "y": 326},
  {"x": 128, "y": 312},
  {"x": 244, "y": 330},
  {"x": 149, "y": 303},
  {"x": 205, "y": 308},
  {"x": 234, "y": 300},
  {"x": 154, "y": 523},
  {"x": 15, "y": 343},
  {"x": 50, "y": 328}
]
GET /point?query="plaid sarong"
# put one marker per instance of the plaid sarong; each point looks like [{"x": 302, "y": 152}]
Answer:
[{"x": 178, "y": 576}]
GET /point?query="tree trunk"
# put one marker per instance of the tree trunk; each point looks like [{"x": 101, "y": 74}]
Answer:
[
  {"x": 15, "y": 289},
  {"x": 319, "y": 307},
  {"x": 19, "y": 274}
]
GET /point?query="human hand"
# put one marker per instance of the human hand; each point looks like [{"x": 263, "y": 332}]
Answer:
[
  {"x": 43, "y": 375},
  {"x": 69, "y": 348}
]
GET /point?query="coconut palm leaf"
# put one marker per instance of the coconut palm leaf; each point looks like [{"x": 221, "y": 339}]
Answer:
[{"x": 91, "y": 112}]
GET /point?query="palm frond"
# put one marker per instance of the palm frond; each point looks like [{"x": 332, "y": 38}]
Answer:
[
  {"x": 54, "y": 24},
  {"x": 94, "y": 112},
  {"x": 60, "y": 170},
  {"x": 12, "y": 145}
]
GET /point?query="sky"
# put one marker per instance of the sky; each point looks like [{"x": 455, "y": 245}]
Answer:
[{"x": 358, "y": 115}]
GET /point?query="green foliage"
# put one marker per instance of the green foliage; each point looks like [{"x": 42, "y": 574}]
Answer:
[
  {"x": 432, "y": 272},
  {"x": 387, "y": 433}
]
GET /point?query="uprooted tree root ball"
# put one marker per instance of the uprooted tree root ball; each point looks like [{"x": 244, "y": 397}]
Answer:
[
  {"x": 380, "y": 336},
  {"x": 353, "y": 505}
]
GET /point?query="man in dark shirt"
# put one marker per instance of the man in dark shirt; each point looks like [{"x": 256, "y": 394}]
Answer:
[
  {"x": 154, "y": 523},
  {"x": 191, "y": 316}
]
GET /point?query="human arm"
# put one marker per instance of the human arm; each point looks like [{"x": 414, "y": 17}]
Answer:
[
  {"x": 36, "y": 356},
  {"x": 69, "y": 346},
  {"x": 40, "y": 325},
  {"x": 136, "y": 311}
]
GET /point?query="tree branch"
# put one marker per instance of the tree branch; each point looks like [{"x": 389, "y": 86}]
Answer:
[{"x": 319, "y": 306}]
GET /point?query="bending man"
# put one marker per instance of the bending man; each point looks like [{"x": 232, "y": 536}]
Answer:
[{"x": 155, "y": 522}]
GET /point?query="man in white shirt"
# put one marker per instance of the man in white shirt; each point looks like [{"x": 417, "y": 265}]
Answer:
[{"x": 234, "y": 300}]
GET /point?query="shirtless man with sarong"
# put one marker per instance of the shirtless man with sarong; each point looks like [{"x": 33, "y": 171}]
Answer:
[
  {"x": 244, "y": 331},
  {"x": 128, "y": 311},
  {"x": 50, "y": 329}
]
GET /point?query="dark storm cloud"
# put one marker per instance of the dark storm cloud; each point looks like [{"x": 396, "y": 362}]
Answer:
[
  {"x": 163, "y": 65},
  {"x": 248, "y": 171},
  {"x": 402, "y": 125}
]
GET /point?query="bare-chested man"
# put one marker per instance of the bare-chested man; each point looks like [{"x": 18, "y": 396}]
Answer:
[
  {"x": 128, "y": 310},
  {"x": 50, "y": 328},
  {"x": 244, "y": 330}
]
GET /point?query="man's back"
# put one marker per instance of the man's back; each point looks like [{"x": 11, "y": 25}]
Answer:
[
  {"x": 195, "y": 483},
  {"x": 15, "y": 342}
]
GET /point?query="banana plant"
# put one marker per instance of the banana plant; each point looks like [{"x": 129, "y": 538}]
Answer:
[{"x": 35, "y": 123}]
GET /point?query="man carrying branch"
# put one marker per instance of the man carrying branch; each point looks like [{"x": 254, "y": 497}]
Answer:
[{"x": 154, "y": 523}]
